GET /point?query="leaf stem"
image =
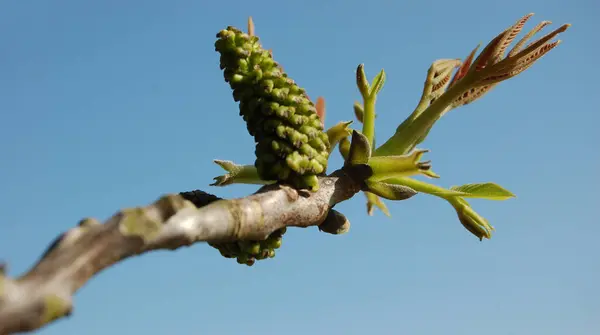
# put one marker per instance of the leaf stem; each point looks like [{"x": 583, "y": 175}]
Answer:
[
  {"x": 413, "y": 133},
  {"x": 369, "y": 119},
  {"x": 423, "y": 187}
]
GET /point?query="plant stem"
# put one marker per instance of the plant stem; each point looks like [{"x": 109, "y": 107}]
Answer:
[
  {"x": 412, "y": 134},
  {"x": 369, "y": 119}
]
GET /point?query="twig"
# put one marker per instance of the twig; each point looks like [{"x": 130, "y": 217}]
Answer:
[{"x": 45, "y": 292}]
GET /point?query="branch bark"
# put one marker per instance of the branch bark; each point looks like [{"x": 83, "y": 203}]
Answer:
[{"x": 45, "y": 292}]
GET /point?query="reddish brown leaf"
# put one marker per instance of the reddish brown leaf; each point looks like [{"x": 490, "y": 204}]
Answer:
[
  {"x": 532, "y": 58},
  {"x": 441, "y": 77},
  {"x": 533, "y": 47},
  {"x": 320, "y": 106},
  {"x": 488, "y": 52},
  {"x": 464, "y": 68},
  {"x": 527, "y": 37},
  {"x": 250, "y": 26},
  {"x": 472, "y": 95},
  {"x": 510, "y": 36}
]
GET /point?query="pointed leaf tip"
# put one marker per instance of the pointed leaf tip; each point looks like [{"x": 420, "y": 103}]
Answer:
[
  {"x": 338, "y": 132},
  {"x": 490, "y": 191},
  {"x": 374, "y": 201}
]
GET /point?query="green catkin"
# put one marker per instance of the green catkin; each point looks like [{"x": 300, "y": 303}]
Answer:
[
  {"x": 290, "y": 143},
  {"x": 248, "y": 252}
]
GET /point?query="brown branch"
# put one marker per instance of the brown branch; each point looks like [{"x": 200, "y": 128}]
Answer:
[{"x": 45, "y": 292}]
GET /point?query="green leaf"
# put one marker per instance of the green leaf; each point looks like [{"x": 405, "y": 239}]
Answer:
[
  {"x": 374, "y": 201},
  {"x": 386, "y": 167},
  {"x": 238, "y": 174},
  {"x": 390, "y": 191},
  {"x": 361, "y": 81},
  {"x": 488, "y": 191},
  {"x": 377, "y": 84},
  {"x": 360, "y": 150},
  {"x": 337, "y": 133},
  {"x": 424, "y": 187}
]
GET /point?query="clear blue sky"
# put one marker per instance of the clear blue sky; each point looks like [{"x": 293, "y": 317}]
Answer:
[{"x": 108, "y": 104}]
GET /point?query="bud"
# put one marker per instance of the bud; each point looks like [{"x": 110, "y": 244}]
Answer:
[{"x": 472, "y": 221}]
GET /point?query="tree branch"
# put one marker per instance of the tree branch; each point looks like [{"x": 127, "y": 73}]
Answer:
[{"x": 45, "y": 292}]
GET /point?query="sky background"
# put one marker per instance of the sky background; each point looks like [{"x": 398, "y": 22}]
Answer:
[{"x": 109, "y": 104}]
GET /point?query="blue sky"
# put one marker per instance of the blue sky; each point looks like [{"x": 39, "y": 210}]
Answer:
[{"x": 109, "y": 104}]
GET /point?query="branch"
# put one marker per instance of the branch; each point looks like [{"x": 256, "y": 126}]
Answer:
[{"x": 45, "y": 292}]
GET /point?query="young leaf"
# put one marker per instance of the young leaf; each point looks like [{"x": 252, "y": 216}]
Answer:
[
  {"x": 377, "y": 84},
  {"x": 470, "y": 219},
  {"x": 389, "y": 191},
  {"x": 489, "y": 191},
  {"x": 424, "y": 187},
  {"x": 385, "y": 167},
  {"x": 337, "y": 133},
  {"x": 519, "y": 45},
  {"x": 375, "y": 201},
  {"x": 471, "y": 82},
  {"x": 238, "y": 174},
  {"x": 361, "y": 81}
]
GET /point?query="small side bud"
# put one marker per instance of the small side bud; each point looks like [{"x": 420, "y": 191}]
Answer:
[
  {"x": 390, "y": 191},
  {"x": 359, "y": 111},
  {"x": 335, "y": 223}
]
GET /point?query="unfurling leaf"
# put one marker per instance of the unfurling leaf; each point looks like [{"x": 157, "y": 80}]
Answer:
[
  {"x": 374, "y": 201},
  {"x": 464, "y": 67},
  {"x": 238, "y": 174},
  {"x": 338, "y": 132},
  {"x": 488, "y": 191},
  {"x": 471, "y": 95},
  {"x": 519, "y": 45},
  {"x": 377, "y": 84},
  {"x": 492, "y": 67},
  {"x": 389, "y": 191},
  {"x": 361, "y": 81},
  {"x": 472, "y": 81},
  {"x": 385, "y": 167},
  {"x": 438, "y": 79},
  {"x": 360, "y": 150}
]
